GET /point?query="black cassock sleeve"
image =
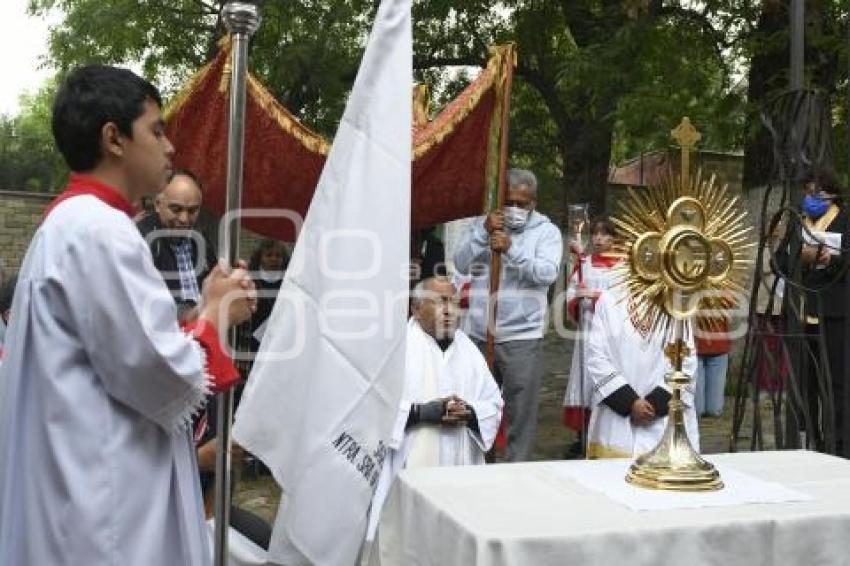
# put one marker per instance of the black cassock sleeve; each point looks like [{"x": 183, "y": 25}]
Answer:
[
  {"x": 659, "y": 398},
  {"x": 621, "y": 400}
]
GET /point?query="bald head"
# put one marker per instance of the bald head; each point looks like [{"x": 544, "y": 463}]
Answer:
[
  {"x": 435, "y": 307},
  {"x": 179, "y": 202}
]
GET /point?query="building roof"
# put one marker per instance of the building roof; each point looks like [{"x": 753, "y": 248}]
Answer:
[{"x": 647, "y": 168}]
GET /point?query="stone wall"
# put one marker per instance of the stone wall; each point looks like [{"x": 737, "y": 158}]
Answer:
[{"x": 20, "y": 215}]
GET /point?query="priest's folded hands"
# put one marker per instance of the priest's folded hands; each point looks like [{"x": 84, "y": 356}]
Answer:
[
  {"x": 642, "y": 412},
  {"x": 457, "y": 411},
  {"x": 450, "y": 411}
]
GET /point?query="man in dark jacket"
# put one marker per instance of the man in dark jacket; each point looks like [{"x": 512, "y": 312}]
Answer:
[
  {"x": 184, "y": 257},
  {"x": 182, "y": 254}
]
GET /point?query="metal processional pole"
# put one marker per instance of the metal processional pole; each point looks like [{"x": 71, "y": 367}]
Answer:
[
  {"x": 241, "y": 19},
  {"x": 794, "y": 436}
]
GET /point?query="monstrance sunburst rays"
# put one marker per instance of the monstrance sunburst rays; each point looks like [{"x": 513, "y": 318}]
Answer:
[{"x": 687, "y": 250}]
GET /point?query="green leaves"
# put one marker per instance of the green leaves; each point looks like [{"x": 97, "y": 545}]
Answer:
[
  {"x": 593, "y": 74},
  {"x": 28, "y": 158}
]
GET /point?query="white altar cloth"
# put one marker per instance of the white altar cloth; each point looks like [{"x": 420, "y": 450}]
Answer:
[
  {"x": 532, "y": 514},
  {"x": 739, "y": 488}
]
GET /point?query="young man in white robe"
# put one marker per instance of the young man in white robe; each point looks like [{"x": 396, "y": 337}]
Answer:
[
  {"x": 626, "y": 366},
  {"x": 451, "y": 406},
  {"x": 591, "y": 275},
  {"x": 99, "y": 382}
]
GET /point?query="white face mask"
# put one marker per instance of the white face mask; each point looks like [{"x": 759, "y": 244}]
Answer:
[
  {"x": 515, "y": 217},
  {"x": 270, "y": 276}
]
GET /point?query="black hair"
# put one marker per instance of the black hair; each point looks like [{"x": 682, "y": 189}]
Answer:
[
  {"x": 90, "y": 97},
  {"x": 826, "y": 180},
  {"x": 263, "y": 247},
  {"x": 189, "y": 174},
  {"x": 603, "y": 224},
  {"x": 7, "y": 293}
]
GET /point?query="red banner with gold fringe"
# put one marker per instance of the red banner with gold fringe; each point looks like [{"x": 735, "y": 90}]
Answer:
[{"x": 455, "y": 156}]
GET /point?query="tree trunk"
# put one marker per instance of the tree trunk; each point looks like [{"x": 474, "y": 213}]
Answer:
[
  {"x": 586, "y": 155},
  {"x": 768, "y": 74}
]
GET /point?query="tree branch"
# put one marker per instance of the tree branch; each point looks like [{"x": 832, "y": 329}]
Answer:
[
  {"x": 703, "y": 22},
  {"x": 206, "y": 7},
  {"x": 183, "y": 12},
  {"x": 429, "y": 62},
  {"x": 698, "y": 19},
  {"x": 548, "y": 91}
]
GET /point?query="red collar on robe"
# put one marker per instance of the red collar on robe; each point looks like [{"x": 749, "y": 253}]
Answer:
[
  {"x": 604, "y": 260},
  {"x": 79, "y": 185}
]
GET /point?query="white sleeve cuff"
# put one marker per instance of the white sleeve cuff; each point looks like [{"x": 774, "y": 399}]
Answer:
[{"x": 606, "y": 386}]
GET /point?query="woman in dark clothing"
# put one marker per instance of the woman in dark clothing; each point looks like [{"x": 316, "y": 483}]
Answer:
[
  {"x": 267, "y": 265},
  {"x": 825, "y": 233}
]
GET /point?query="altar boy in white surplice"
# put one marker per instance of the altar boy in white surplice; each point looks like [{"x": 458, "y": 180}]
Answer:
[
  {"x": 99, "y": 383},
  {"x": 626, "y": 365},
  {"x": 451, "y": 406}
]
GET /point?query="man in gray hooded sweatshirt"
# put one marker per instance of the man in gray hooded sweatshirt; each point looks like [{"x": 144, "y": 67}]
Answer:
[{"x": 531, "y": 249}]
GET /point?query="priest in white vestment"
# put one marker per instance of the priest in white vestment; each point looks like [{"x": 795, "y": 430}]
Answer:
[
  {"x": 451, "y": 406},
  {"x": 99, "y": 383},
  {"x": 626, "y": 366}
]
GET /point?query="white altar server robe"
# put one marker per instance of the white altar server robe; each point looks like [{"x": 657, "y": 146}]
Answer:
[
  {"x": 98, "y": 383},
  {"x": 617, "y": 354},
  {"x": 597, "y": 275}
]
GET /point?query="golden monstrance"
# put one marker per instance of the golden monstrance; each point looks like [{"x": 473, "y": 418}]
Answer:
[{"x": 687, "y": 258}]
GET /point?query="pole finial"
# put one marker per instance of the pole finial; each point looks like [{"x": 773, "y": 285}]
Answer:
[{"x": 241, "y": 17}]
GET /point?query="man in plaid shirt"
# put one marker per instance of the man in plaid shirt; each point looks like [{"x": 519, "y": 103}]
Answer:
[{"x": 182, "y": 254}]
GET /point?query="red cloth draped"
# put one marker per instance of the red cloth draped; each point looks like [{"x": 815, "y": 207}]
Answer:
[{"x": 452, "y": 167}]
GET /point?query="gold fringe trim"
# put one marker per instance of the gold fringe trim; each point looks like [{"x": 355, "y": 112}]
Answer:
[
  {"x": 182, "y": 97},
  {"x": 508, "y": 55},
  {"x": 494, "y": 157},
  {"x": 492, "y": 76},
  {"x": 288, "y": 123},
  {"x": 421, "y": 106},
  {"x": 597, "y": 451}
]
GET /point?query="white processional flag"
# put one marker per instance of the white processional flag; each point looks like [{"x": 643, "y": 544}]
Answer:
[{"x": 322, "y": 398}]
